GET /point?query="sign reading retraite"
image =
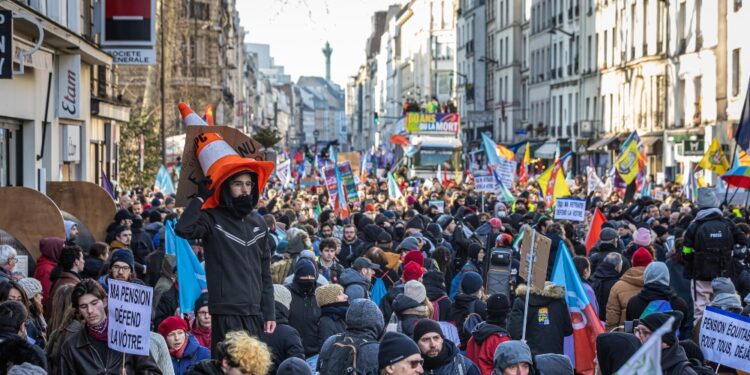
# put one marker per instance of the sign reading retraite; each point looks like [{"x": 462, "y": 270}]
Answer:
[
  {"x": 484, "y": 184},
  {"x": 570, "y": 209},
  {"x": 129, "y": 316}
]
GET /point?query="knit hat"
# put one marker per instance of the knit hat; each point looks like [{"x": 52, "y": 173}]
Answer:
[
  {"x": 473, "y": 250},
  {"x": 655, "y": 320},
  {"x": 471, "y": 282},
  {"x": 722, "y": 285},
  {"x": 496, "y": 223},
  {"x": 426, "y": 326},
  {"x": 498, "y": 306},
  {"x": 201, "y": 301},
  {"x": 31, "y": 286},
  {"x": 641, "y": 258},
  {"x": 123, "y": 255},
  {"x": 408, "y": 243},
  {"x": 26, "y": 368},
  {"x": 328, "y": 294},
  {"x": 389, "y": 214},
  {"x": 415, "y": 223},
  {"x": 656, "y": 272},
  {"x": 444, "y": 220},
  {"x": 282, "y": 295},
  {"x": 660, "y": 230},
  {"x": 707, "y": 198},
  {"x": 552, "y": 364},
  {"x": 294, "y": 366},
  {"x": 304, "y": 267},
  {"x": 412, "y": 271},
  {"x": 510, "y": 353},
  {"x": 415, "y": 290},
  {"x": 394, "y": 348},
  {"x": 171, "y": 324},
  {"x": 410, "y": 199},
  {"x": 414, "y": 256},
  {"x": 608, "y": 234},
  {"x": 614, "y": 349},
  {"x": 725, "y": 295},
  {"x": 309, "y": 254},
  {"x": 642, "y": 237}
]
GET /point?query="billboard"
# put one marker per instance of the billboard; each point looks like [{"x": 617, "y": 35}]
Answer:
[
  {"x": 129, "y": 31},
  {"x": 432, "y": 122}
]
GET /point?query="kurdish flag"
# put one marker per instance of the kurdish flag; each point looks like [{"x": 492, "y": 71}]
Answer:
[{"x": 586, "y": 324}]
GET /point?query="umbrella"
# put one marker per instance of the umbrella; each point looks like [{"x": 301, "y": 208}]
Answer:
[{"x": 738, "y": 176}]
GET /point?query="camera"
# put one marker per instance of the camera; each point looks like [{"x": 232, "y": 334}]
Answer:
[
  {"x": 630, "y": 325},
  {"x": 739, "y": 252}
]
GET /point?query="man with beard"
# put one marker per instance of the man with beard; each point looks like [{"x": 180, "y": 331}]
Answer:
[
  {"x": 440, "y": 357},
  {"x": 237, "y": 252},
  {"x": 349, "y": 244}
]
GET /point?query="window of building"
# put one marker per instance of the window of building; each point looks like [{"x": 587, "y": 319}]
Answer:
[
  {"x": 736, "y": 72},
  {"x": 199, "y": 11}
]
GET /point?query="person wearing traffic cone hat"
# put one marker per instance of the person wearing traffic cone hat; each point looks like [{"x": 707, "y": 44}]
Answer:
[
  {"x": 237, "y": 250},
  {"x": 219, "y": 161}
]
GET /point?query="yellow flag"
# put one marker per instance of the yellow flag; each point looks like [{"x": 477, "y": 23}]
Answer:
[
  {"x": 714, "y": 159},
  {"x": 627, "y": 162},
  {"x": 561, "y": 188},
  {"x": 527, "y": 156}
]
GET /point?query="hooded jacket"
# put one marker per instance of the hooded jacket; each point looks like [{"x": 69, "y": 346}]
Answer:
[
  {"x": 602, "y": 282},
  {"x": 167, "y": 278},
  {"x": 482, "y": 344},
  {"x": 704, "y": 216},
  {"x": 630, "y": 284},
  {"x": 552, "y": 364},
  {"x": 614, "y": 349},
  {"x": 50, "y": 248},
  {"x": 409, "y": 312},
  {"x": 364, "y": 321},
  {"x": 285, "y": 341},
  {"x": 461, "y": 308},
  {"x": 193, "y": 354},
  {"x": 548, "y": 321},
  {"x": 238, "y": 257},
  {"x": 449, "y": 362},
  {"x": 512, "y": 353},
  {"x": 434, "y": 284},
  {"x": 671, "y": 360},
  {"x": 304, "y": 315},
  {"x": 332, "y": 321},
  {"x": 355, "y": 285}
]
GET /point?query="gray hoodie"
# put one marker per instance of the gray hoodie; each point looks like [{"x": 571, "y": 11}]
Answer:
[
  {"x": 363, "y": 320},
  {"x": 510, "y": 353},
  {"x": 553, "y": 364}
]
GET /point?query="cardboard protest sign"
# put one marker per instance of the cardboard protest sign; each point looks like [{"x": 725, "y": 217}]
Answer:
[
  {"x": 129, "y": 316},
  {"x": 540, "y": 258},
  {"x": 484, "y": 183},
  {"x": 570, "y": 209},
  {"x": 191, "y": 168},
  {"x": 354, "y": 160},
  {"x": 725, "y": 338},
  {"x": 439, "y": 204}
]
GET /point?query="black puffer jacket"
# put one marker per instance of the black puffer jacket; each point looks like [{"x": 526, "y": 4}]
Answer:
[
  {"x": 548, "y": 320},
  {"x": 435, "y": 287},
  {"x": 285, "y": 341},
  {"x": 304, "y": 315},
  {"x": 332, "y": 320},
  {"x": 602, "y": 281}
]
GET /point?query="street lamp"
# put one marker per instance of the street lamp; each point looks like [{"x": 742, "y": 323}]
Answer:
[
  {"x": 556, "y": 30},
  {"x": 488, "y": 60}
]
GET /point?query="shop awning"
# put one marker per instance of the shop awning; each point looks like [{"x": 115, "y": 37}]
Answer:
[
  {"x": 602, "y": 143},
  {"x": 648, "y": 141},
  {"x": 546, "y": 151}
]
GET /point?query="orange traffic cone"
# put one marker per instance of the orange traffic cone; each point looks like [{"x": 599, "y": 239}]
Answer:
[{"x": 219, "y": 160}]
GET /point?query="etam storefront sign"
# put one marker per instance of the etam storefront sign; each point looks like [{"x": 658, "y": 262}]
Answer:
[{"x": 69, "y": 87}]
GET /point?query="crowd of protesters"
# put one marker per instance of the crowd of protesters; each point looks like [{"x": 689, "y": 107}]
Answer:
[{"x": 387, "y": 286}]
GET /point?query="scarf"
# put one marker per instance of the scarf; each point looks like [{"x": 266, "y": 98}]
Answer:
[
  {"x": 179, "y": 352},
  {"x": 203, "y": 335},
  {"x": 99, "y": 331},
  {"x": 431, "y": 363},
  {"x": 335, "y": 311}
]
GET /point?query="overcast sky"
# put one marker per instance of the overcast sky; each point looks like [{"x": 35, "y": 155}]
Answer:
[{"x": 297, "y": 30}]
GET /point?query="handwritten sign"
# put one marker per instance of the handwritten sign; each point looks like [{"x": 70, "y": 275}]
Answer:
[
  {"x": 725, "y": 338},
  {"x": 484, "y": 184},
  {"x": 439, "y": 204},
  {"x": 129, "y": 317},
  {"x": 570, "y": 209}
]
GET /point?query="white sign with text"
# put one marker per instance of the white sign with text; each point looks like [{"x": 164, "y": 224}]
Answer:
[{"x": 129, "y": 315}]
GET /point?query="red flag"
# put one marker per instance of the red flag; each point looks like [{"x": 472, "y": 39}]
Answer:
[{"x": 594, "y": 230}]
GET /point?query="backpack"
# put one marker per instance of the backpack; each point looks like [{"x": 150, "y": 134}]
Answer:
[
  {"x": 394, "y": 324},
  {"x": 280, "y": 269},
  {"x": 696, "y": 365},
  {"x": 450, "y": 332},
  {"x": 342, "y": 357},
  {"x": 436, "y": 308},
  {"x": 378, "y": 291},
  {"x": 472, "y": 319},
  {"x": 456, "y": 282},
  {"x": 713, "y": 245},
  {"x": 656, "y": 306}
]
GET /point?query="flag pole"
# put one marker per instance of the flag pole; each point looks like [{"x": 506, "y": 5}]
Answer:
[
  {"x": 531, "y": 255},
  {"x": 734, "y": 155}
]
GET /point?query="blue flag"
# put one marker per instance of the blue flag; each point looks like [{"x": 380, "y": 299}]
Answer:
[
  {"x": 190, "y": 274},
  {"x": 393, "y": 189},
  {"x": 491, "y": 149},
  {"x": 164, "y": 181},
  {"x": 742, "y": 134},
  {"x": 107, "y": 186}
]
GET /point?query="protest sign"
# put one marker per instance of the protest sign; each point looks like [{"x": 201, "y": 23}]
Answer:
[
  {"x": 439, "y": 204},
  {"x": 129, "y": 316},
  {"x": 22, "y": 265},
  {"x": 484, "y": 184},
  {"x": 347, "y": 181},
  {"x": 283, "y": 172},
  {"x": 725, "y": 338},
  {"x": 329, "y": 176},
  {"x": 539, "y": 259},
  {"x": 354, "y": 159},
  {"x": 505, "y": 172},
  {"x": 570, "y": 209}
]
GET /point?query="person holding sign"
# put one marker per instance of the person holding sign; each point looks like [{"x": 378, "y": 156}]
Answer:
[{"x": 87, "y": 351}]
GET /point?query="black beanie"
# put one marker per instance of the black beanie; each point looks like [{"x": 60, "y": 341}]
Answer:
[
  {"x": 656, "y": 320},
  {"x": 201, "y": 301},
  {"x": 394, "y": 348},
  {"x": 426, "y": 326},
  {"x": 498, "y": 306},
  {"x": 415, "y": 223}
]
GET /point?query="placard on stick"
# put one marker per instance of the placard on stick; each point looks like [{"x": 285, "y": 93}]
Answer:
[
  {"x": 541, "y": 258},
  {"x": 570, "y": 209},
  {"x": 129, "y": 316},
  {"x": 725, "y": 338},
  {"x": 191, "y": 168}
]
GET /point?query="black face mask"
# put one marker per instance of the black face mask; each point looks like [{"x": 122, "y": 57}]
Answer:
[
  {"x": 243, "y": 204},
  {"x": 306, "y": 284}
]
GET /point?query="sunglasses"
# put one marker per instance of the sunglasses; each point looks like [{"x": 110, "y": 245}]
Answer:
[{"x": 415, "y": 363}]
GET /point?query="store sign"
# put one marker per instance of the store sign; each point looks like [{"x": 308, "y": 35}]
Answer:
[
  {"x": 69, "y": 87},
  {"x": 693, "y": 148},
  {"x": 129, "y": 32},
  {"x": 432, "y": 122},
  {"x": 6, "y": 44}
]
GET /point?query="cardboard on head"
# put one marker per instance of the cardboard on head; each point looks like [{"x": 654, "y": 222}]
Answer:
[
  {"x": 86, "y": 201},
  {"x": 191, "y": 168},
  {"x": 541, "y": 258}
]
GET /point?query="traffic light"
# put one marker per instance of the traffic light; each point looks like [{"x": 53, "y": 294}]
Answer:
[{"x": 375, "y": 118}]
